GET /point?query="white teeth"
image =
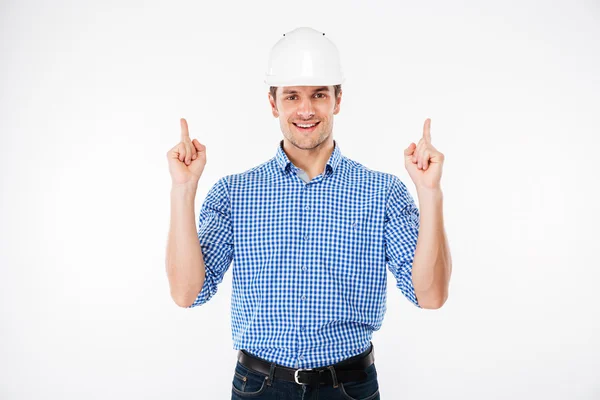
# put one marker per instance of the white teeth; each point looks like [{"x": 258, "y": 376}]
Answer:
[{"x": 306, "y": 126}]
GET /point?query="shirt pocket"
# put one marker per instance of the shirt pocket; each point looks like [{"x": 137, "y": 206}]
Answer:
[
  {"x": 350, "y": 230},
  {"x": 356, "y": 236}
]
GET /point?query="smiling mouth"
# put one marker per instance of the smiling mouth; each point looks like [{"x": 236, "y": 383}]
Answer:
[{"x": 306, "y": 127}]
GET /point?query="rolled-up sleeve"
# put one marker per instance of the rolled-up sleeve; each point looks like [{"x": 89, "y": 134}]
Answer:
[
  {"x": 215, "y": 234},
  {"x": 401, "y": 233}
]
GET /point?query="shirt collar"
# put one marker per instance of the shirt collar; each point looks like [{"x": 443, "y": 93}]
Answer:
[{"x": 334, "y": 160}]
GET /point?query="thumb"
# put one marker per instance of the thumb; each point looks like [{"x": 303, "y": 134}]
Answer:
[
  {"x": 198, "y": 167},
  {"x": 199, "y": 146},
  {"x": 410, "y": 150}
]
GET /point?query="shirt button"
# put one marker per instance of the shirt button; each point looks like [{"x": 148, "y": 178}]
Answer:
[
  {"x": 307, "y": 208},
  {"x": 306, "y": 237},
  {"x": 304, "y": 268},
  {"x": 300, "y": 357},
  {"x": 303, "y": 297},
  {"x": 302, "y": 329}
]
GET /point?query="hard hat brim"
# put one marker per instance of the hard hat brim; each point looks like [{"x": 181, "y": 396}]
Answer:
[{"x": 306, "y": 81}]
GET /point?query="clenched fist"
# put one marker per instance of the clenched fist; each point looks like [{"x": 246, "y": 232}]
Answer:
[{"x": 187, "y": 159}]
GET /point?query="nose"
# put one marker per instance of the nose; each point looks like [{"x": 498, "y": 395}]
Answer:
[{"x": 305, "y": 109}]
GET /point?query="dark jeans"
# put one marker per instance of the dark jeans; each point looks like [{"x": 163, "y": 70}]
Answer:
[{"x": 250, "y": 384}]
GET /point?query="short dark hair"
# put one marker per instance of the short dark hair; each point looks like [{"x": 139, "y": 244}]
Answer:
[{"x": 337, "y": 90}]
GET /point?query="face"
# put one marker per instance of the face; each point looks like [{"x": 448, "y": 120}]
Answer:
[{"x": 305, "y": 114}]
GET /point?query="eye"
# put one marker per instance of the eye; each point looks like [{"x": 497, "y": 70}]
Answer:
[
  {"x": 321, "y": 94},
  {"x": 290, "y": 97}
]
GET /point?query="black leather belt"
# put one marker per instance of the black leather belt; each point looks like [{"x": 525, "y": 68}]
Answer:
[{"x": 350, "y": 369}]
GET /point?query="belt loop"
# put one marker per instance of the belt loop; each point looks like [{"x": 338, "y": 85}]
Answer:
[
  {"x": 271, "y": 374},
  {"x": 373, "y": 350},
  {"x": 333, "y": 376}
]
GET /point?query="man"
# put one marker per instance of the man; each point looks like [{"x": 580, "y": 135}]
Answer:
[{"x": 311, "y": 233}]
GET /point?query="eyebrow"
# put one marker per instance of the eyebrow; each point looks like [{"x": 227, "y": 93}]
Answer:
[{"x": 320, "y": 89}]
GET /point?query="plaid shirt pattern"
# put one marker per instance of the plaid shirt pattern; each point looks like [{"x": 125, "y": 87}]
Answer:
[{"x": 309, "y": 259}]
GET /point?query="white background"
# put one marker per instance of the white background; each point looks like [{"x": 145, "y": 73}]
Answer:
[{"x": 91, "y": 96}]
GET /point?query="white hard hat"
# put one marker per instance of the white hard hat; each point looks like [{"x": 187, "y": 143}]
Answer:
[{"x": 304, "y": 57}]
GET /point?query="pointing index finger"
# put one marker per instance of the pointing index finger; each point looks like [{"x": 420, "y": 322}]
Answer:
[
  {"x": 184, "y": 129},
  {"x": 426, "y": 130}
]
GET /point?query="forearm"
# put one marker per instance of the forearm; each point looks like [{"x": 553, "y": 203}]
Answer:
[
  {"x": 432, "y": 264},
  {"x": 184, "y": 260}
]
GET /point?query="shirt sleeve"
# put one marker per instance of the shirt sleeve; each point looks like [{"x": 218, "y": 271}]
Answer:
[
  {"x": 401, "y": 230},
  {"x": 215, "y": 234}
]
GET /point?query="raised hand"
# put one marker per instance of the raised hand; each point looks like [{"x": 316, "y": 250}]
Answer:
[
  {"x": 187, "y": 159},
  {"x": 423, "y": 162}
]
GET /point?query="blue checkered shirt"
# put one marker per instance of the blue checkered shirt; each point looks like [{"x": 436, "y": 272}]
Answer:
[{"x": 309, "y": 270}]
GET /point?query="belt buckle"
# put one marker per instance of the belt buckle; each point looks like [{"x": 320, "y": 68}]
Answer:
[{"x": 296, "y": 374}]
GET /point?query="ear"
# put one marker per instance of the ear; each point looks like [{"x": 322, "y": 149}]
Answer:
[
  {"x": 274, "y": 110},
  {"x": 336, "y": 109}
]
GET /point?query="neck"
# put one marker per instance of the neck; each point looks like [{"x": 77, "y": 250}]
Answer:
[{"x": 311, "y": 161}]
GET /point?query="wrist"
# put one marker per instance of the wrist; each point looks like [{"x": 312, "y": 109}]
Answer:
[
  {"x": 429, "y": 192},
  {"x": 184, "y": 189}
]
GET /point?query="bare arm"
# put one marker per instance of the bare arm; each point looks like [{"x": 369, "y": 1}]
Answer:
[
  {"x": 184, "y": 260},
  {"x": 432, "y": 265}
]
